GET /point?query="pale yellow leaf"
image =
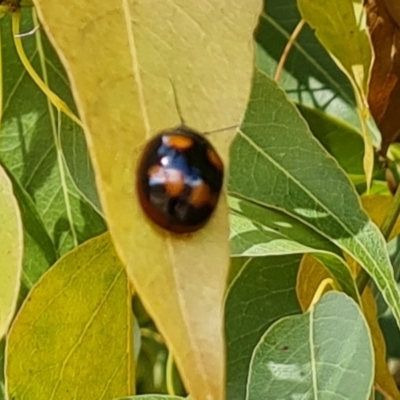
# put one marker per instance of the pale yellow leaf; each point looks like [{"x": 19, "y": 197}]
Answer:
[
  {"x": 11, "y": 251},
  {"x": 123, "y": 59},
  {"x": 340, "y": 26}
]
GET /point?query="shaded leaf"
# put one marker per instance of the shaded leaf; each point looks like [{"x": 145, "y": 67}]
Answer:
[
  {"x": 394, "y": 10},
  {"x": 39, "y": 250},
  {"x": 325, "y": 353},
  {"x": 310, "y": 76},
  {"x": 274, "y": 170},
  {"x": 77, "y": 159},
  {"x": 261, "y": 293},
  {"x": 11, "y": 251},
  {"x": 79, "y": 306},
  {"x": 30, "y": 138},
  {"x": 342, "y": 141},
  {"x": 206, "y": 52},
  {"x": 346, "y": 145},
  {"x": 384, "y": 87},
  {"x": 151, "y": 367}
]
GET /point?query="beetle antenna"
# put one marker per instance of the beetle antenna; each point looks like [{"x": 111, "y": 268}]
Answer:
[
  {"x": 222, "y": 129},
  {"x": 179, "y": 110},
  {"x": 177, "y": 104}
]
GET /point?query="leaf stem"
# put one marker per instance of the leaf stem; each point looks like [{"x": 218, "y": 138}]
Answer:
[
  {"x": 386, "y": 229},
  {"x": 286, "y": 50},
  {"x": 170, "y": 375},
  {"x": 321, "y": 289},
  {"x": 57, "y": 102},
  {"x": 148, "y": 333}
]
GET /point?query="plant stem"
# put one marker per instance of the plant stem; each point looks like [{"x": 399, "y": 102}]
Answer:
[
  {"x": 287, "y": 49},
  {"x": 57, "y": 102},
  {"x": 386, "y": 229},
  {"x": 170, "y": 375}
]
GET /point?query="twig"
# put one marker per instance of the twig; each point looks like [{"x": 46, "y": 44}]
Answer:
[{"x": 287, "y": 49}]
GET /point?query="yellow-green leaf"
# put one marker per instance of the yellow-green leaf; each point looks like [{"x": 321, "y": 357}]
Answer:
[
  {"x": 377, "y": 207},
  {"x": 340, "y": 26},
  {"x": 125, "y": 59},
  {"x": 73, "y": 335},
  {"x": 11, "y": 250}
]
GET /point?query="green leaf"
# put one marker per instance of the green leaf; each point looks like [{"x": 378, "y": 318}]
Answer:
[
  {"x": 310, "y": 76},
  {"x": 39, "y": 250},
  {"x": 277, "y": 163},
  {"x": 263, "y": 292},
  {"x": 257, "y": 231},
  {"x": 30, "y": 139},
  {"x": 78, "y": 161},
  {"x": 80, "y": 308},
  {"x": 394, "y": 253},
  {"x": 345, "y": 144},
  {"x": 324, "y": 354},
  {"x": 11, "y": 251},
  {"x": 236, "y": 266},
  {"x": 341, "y": 140},
  {"x": 151, "y": 366}
]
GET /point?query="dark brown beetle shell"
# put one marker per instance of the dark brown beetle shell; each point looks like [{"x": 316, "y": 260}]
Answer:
[{"x": 180, "y": 177}]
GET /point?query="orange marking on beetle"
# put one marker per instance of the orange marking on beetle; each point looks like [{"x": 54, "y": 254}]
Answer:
[
  {"x": 215, "y": 159},
  {"x": 200, "y": 195},
  {"x": 180, "y": 142},
  {"x": 172, "y": 179},
  {"x": 174, "y": 188},
  {"x": 154, "y": 170}
]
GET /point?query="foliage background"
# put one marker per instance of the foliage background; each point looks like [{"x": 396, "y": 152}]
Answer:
[{"x": 83, "y": 304}]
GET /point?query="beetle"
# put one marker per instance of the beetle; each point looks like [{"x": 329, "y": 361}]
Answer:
[{"x": 179, "y": 179}]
